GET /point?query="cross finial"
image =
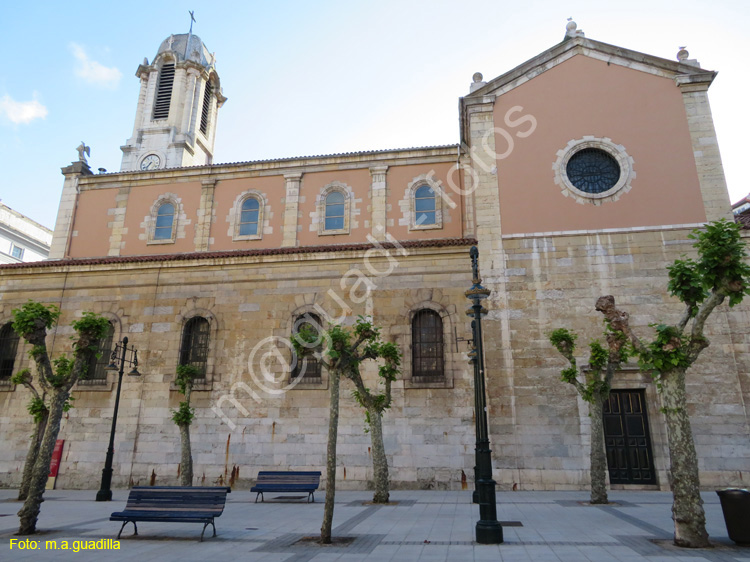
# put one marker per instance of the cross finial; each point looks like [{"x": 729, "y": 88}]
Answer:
[{"x": 192, "y": 19}]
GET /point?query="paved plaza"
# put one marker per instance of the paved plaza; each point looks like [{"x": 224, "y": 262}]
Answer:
[{"x": 422, "y": 525}]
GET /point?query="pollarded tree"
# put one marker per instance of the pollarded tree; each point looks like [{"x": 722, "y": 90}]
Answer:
[
  {"x": 719, "y": 273},
  {"x": 593, "y": 385},
  {"x": 342, "y": 352},
  {"x": 183, "y": 417},
  {"x": 31, "y": 322},
  {"x": 39, "y": 412}
]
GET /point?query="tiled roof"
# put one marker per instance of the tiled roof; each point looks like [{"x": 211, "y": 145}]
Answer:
[{"x": 242, "y": 253}]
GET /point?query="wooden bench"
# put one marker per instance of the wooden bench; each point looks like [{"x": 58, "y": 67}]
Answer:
[
  {"x": 287, "y": 481},
  {"x": 175, "y": 504}
]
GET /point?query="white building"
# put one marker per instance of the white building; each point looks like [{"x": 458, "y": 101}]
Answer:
[{"x": 22, "y": 239}]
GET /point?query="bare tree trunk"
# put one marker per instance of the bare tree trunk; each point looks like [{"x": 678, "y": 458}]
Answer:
[
  {"x": 379, "y": 460},
  {"x": 31, "y": 456},
  {"x": 598, "y": 457},
  {"x": 687, "y": 509},
  {"x": 186, "y": 460},
  {"x": 29, "y": 513},
  {"x": 333, "y": 428}
]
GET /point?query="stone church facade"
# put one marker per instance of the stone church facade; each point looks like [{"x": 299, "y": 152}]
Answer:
[{"x": 579, "y": 173}]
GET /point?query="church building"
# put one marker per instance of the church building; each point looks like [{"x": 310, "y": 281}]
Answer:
[{"x": 577, "y": 174}]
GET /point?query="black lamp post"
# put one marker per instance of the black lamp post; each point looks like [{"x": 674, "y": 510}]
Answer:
[
  {"x": 105, "y": 492},
  {"x": 488, "y": 529}
]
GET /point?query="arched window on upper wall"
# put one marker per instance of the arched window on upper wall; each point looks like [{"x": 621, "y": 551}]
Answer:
[
  {"x": 194, "y": 347},
  {"x": 427, "y": 359},
  {"x": 249, "y": 217},
  {"x": 97, "y": 369},
  {"x": 164, "y": 228},
  {"x": 335, "y": 211},
  {"x": 8, "y": 348},
  {"x": 164, "y": 92},
  {"x": 424, "y": 206},
  {"x": 307, "y": 367}
]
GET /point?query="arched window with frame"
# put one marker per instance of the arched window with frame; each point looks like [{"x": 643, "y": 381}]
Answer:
[
  {"x": 335, "y": 207},
  {"x": 427, "y": 360},
  {"x": 164, "y": 227},
  {"x": 97, "y": 368},
  {"x": 8, "y": 349},
  {"x": 249, "y": 217},
  {"x": 308, "y": 368},
  {"x": 194, "y": 347},
  {"x": 425, "y": 208}
]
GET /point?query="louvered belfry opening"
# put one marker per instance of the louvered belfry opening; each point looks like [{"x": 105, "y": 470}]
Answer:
[
  {"x": 164, "y": 92},
  {"x": 207, "y": 95}
]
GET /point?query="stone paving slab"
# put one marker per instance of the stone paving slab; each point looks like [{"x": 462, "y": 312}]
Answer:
[{"x": 423, "y": 525}]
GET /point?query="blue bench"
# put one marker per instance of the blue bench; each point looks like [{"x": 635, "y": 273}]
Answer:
[
  {"x": 173, "y": 504},
  {"x": 287, "y": 482}
]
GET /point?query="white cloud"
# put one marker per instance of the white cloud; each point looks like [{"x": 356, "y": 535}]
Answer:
[
  {"x": 22, "y": 111},
  {"x": 94, "y": 72}
]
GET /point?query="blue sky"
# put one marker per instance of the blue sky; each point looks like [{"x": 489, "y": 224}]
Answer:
[{"x": 317, "y": 77}]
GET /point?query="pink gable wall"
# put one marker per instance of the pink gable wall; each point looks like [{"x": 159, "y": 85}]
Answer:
[{"x": 583, "y": 96}]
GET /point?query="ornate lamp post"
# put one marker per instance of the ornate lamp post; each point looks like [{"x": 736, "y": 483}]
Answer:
[
  {"x": 105, "y": 493},
  {"x": 488, "y": 529}
]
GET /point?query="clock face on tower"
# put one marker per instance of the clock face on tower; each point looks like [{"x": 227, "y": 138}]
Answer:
[{"x": 150, "y": 162}]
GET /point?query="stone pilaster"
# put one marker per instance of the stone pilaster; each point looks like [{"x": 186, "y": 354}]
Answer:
[
  {"x": 117, "y": 224},
  {"x": 205, "y": 216},
  {"x": 694, "y": 88},
  {"x": 291, "y": 209},
  {"x": 66, "y": 210},
  {"x": 378, "y": 198}
]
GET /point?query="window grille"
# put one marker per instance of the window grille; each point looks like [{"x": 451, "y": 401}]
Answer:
[
  {"x": 306, "y": 367},
  {"x": 97, "y": 369},
  {"x": 164, "y": 92},
  {"x": 427, "y": 346},
  {"x": 593, "y": 170},
  {"x": 194, "y": 349},
  {"x": 8, "y": 348}
]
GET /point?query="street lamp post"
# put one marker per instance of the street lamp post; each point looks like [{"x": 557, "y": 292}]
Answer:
[
  {"x": 488, "y": 529},
  {"x": 105, "y": 492}
]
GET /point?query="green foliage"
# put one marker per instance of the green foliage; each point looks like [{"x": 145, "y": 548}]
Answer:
[
  {"x": 183, "y": 415},
  {"x": 32, "y": 315},
  {"x": 667, "y": 352},
  {"x": 37, "y": 408},
  {"x": 563, "y": 340},
  {"x": 62, "y": 368},
  {"x": 36, "y": 351},
  {"x": 686, "y": 284},
  {"x": 721, "y": 262},
  {"x": 599, "y": 356},
  {"x": 569, "y": 375},
  {"x": 92, "y": 325},
  {"x": 185, "y": 376},
  {"x": 21, "y": 377}
]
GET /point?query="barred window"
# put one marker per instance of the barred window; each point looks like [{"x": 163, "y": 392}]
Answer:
[
  {"x": 306, "y": 367},
  {"x": 97, "y": 370},
  {"x": 194, "y": 348},
  {"x": 8, "y": 348},
  {"x": 427, "y": 345}
]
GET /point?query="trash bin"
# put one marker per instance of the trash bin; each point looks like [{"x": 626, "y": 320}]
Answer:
[{"x": 735, "y": 503}]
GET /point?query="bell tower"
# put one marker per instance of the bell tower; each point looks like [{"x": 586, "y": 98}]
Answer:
[{"x": 175, "y": 122}]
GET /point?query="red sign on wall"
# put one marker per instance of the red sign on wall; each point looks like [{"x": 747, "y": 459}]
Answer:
[{"x": 56, "y": 458}]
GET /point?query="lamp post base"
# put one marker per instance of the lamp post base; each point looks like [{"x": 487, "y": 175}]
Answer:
[
  {"x": 489, "y": 532},
  {"x": 104, "y": 496},
  {"x": 105, "y": 490}
]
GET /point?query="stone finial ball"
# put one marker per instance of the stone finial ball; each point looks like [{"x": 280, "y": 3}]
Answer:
[{"x": 477, "y": 77}]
